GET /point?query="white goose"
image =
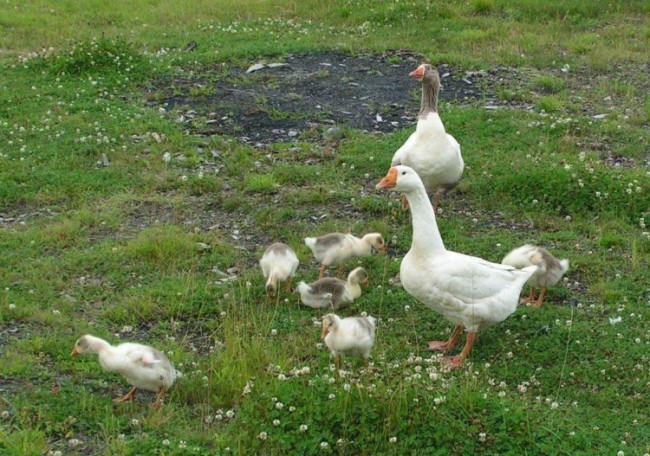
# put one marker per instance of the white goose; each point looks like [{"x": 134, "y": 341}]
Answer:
[
  {"x": 278, "y": 263},
  {"x": 334, "y": 249},
  {"x": 468, "y": 291},
  {"x": 143, "y": 367},
  {"x": 430, "y": 150},
  {"x": 549, "y": 271},
  {"x": 352, "y": 336},
  {"x": 333, "y": 292}
]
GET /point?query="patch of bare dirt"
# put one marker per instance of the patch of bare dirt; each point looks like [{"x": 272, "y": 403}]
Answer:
[{"x": 283, "y": 100}]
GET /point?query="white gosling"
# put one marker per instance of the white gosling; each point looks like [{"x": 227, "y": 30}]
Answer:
[
  {"x": 143, "y": 367},
  {"x": 279, "y": 263},
  {"x": 352, "y": 336},
  {"x": 549, "y": 271},
  {"x": 332, "y": 292},
  {"x": 335, "y": 249}
]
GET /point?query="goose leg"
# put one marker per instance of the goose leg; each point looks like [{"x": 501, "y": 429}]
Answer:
[
  {"x": 538, "y": 302},
  {"x": 443, "y": 346},
  {"x": 455, "y": 361},
  {"x": 436, "y": 201},
  {"x": 337, "y": 361},
  {"x": 126, "y": 398},
  {"x": 530, "y": 298},
  {"x": 321, "y": 271},
  {"x": 288, "y": 285},
  {"x": 159, "y": 398},
  {"x": 339, "y": 272}
]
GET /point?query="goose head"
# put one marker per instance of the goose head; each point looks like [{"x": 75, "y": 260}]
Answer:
[
  {"x": 426, "y": 71},
  {"x": 401, "y": 178},
  {"x": 329, "y": 322},
  {"x": 376, "y": 241},
  {"x": 86, "y": 344},
  {"x": 358, "y": 276}
]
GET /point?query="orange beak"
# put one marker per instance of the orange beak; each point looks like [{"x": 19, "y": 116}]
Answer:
[
  {"x": 74, "y": 352},
  {"x": 325, "y": 332},
  {"x": 418, "y": 73},
  {"x": 389, "y": 181},
  {"x": 365, "y": 282}
]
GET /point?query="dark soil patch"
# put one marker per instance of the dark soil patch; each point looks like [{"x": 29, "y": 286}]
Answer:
[{"x": 304, "y": 93}]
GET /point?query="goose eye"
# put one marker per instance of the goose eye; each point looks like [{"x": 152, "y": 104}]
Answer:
[{"x": 403, "y": 173}]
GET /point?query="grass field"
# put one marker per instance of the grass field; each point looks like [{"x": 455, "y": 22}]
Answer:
[{"x": 162, "y": 252}]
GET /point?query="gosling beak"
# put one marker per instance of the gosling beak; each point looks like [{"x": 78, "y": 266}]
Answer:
[
  {"x": 418, "y": 73},
  {"x": 325, "y": 332},
  {"x": 382, "y": 250},
  {"x": 365, "y": 283},
  {"x": 389, "y": 181},
  {"x": 75, "y": 352}
]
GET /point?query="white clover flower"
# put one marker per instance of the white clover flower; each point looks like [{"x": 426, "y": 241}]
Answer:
[
  {"x": 274, "y": 332},
  {"x": 502, "y": 394},
  {"x": 5, "y": 414},
  {"x": 303, "y": 428},
  {"x": 73, "y": 443},
  {"x": 392, "y": 440},
  {"x": 135, "y": 422},
  {"x": 276, "y": 422},
  {"x": 324, "y": 445},
  {"x": 182, "y": 444},
  {"x": 165, "y": 442},
  {"x": 279, "y": 405},
  {"x": 230, "y": 413},
  {"x": 554, "y": 405},
  {"x": 262, "y": 435},
  {"x": 482, "y": 436}
]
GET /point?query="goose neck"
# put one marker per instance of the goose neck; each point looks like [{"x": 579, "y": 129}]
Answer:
[
  {"x": 426, "y": 236},
  {"x": 429, "y": 101}
]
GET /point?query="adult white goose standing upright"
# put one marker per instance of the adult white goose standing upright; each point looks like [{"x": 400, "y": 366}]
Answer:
[
  {"x": 468, "y": 291},
  {"x": 430, "y": 150},
  {"x": 278, "y": 263}
]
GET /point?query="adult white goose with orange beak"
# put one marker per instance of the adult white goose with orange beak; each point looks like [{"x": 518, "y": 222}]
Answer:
[
  {"x": 432, "y": 152},
  {"x": 470, "y": 292}
]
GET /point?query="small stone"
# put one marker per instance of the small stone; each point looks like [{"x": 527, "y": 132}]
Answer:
[{"x": 255, "y": 67}]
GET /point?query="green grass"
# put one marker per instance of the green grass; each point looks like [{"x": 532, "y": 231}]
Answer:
[{"x": 160, "y": 248}]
